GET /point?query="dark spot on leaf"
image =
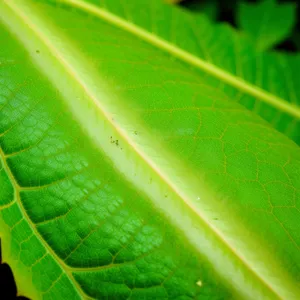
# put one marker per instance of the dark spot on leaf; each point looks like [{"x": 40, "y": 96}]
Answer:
[{"x": 114, "y": 142}]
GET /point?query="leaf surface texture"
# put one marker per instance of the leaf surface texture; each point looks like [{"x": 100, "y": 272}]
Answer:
[{"x": 133, "y": 163}]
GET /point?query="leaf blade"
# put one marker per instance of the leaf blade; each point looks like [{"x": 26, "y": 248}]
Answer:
[
  {"x": 123, "y": 161},
  {"x": 234, "y": 55}
]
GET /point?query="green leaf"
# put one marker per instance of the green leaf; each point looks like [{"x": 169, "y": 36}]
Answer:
[
  {"x": 268, "y": 23},
  {"x": 130, "y": 169},
  {"x": 265, "y": 83},
  {"x": 209, "y": 8}
]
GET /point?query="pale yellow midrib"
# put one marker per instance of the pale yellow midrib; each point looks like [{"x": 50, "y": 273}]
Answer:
[
  {"x": 239, "y": 83},
  {"x": 105, "y": 114}
]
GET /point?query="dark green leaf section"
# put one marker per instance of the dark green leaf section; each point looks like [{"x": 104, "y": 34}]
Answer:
[
  {"x": 7, "y": 191},
  {"x": 267, "y": 22}
]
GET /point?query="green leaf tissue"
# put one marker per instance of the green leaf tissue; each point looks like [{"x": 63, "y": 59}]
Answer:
[{"x": 145, "y": 153}]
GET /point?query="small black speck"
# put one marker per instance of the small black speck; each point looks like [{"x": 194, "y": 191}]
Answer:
[
  {"x": 216, "y": 219},
  {"x": 135, "y": 132},
  {"x": 37, "y": 51},
  {"x": 166, "y": 196},
  {"x": 117, "y": 142}
]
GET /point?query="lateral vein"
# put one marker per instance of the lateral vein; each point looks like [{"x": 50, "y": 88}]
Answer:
[{"x": 48, "y": 249}]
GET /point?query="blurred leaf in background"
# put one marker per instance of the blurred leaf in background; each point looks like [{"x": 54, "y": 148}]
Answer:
[
  {"x": 266, "y": 22},
  {"x": 209, "y": 8},
  {"x": 271, "y": 24}
]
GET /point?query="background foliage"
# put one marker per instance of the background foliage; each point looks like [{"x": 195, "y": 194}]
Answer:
[{"x": 282, "y": 21}]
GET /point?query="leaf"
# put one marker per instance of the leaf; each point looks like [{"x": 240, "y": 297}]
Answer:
[
  {"x": 7, "y": 283},
  {"x": 253, "y": 79},
  {"x": 268, "y": 23},
  {"x": 128, "y": 168},
  {"x": 209, "y": 8},
  {"x": 173, "y": 1},
  {"x": 279, "y": 103}
]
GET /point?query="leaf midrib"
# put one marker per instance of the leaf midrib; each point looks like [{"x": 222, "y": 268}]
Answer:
[{"x": 189, "y": 58}]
